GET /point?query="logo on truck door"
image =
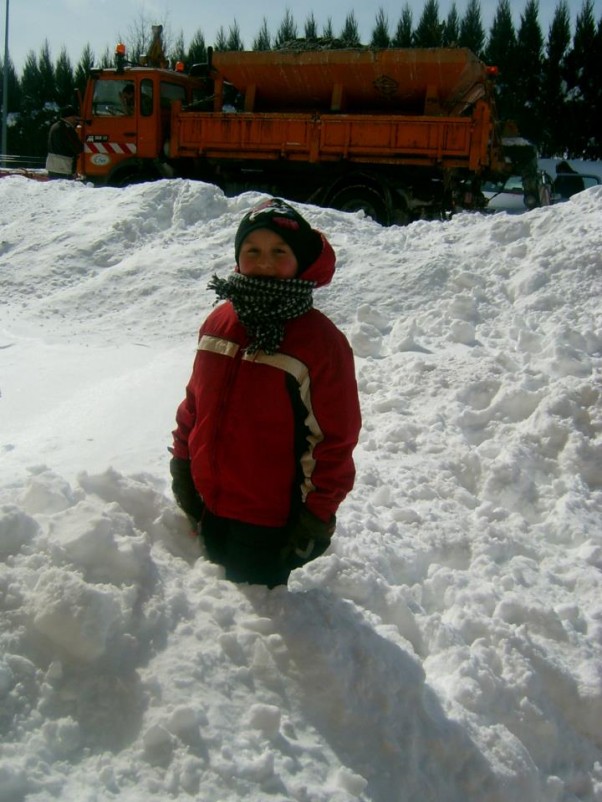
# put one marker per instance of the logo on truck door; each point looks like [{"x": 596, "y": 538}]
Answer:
[{"x": 100, "y": 159}]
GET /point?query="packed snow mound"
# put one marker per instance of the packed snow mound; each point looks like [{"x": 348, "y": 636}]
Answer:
[{"x": 447, "y": 647}]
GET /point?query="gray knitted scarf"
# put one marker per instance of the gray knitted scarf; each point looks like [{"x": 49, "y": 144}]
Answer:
[{"x": 263, "y": 305}]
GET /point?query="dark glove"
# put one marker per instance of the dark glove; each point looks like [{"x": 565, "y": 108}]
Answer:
[
  {"x": 308, "y": 538},
  {"x": 184, "y": 491}
]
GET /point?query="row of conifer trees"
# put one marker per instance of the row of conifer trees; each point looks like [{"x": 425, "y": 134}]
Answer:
[{"x": 549, "y": 83}]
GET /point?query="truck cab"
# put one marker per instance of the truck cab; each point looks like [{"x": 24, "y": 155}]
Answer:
[{"x": 126, "y": 123}]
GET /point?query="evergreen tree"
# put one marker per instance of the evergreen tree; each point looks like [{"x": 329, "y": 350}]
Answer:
[
  {"x": 311, "y": 28},
  {"x": 472, "y": 34},
  {"x": 404, "y": 33},
  {"x": 82, "y": 71},
  {"x": 13, "y": 86},
  {"x": 35, "y": 116},
  {"x": 31, "y": 91},
  {"x": 13, "y": 142},
  {"x": 178, "y": 50},
  {"x": 328, "y": 31},
  {"x": 65, "y": 83},
  {"x": 585, "y": 93},
  {"x": 221, "y": 40},
  {"x": 47, "y": 86},
  {"x": 287, "y": 30},
  {"x": 197, "y": 49},
  {"x": 429, "y": 32},
  {"x": 350, "y": 35},
  {"x": 451, "y": 27},
  {"x": 107, "y": 59},
  {"x": 263, "y": 40},
  {"x": 380, "y": 33},
  {"x": 555, "y": 119},
  {"x": 234, "y": 40},
  {"x": 501, "y": 53},
  {"x": 596, "y": 150},
  {"x": 501, "y": 45},
  {"x": 529, "y": 72}
]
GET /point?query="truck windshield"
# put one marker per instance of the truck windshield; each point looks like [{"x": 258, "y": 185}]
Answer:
[{"x": 113, "y": 98}]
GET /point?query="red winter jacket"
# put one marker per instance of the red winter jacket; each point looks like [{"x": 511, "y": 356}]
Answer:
[{"x": 264, "y": 432}]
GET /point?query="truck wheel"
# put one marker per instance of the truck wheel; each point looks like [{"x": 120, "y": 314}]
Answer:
[
  {"x": 133, "y": 176},
  {"x": 401, "y": 216},
  {"x": 362, "y": 198},
  {"x": 124, "y": 178}
]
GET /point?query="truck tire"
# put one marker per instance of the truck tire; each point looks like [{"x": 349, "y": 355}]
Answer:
[
  {"x": 133, "y": 175},
  {"x": 361, "y": 197},
  {"x": 124, "y": 178}
]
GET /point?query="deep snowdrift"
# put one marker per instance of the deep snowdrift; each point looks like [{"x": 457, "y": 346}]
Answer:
[{"x": 449, "y": 645}]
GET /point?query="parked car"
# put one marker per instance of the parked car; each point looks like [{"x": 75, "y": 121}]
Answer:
[
  {"x": 585, "y": 181},
  {"x": 509, "y": 196}
]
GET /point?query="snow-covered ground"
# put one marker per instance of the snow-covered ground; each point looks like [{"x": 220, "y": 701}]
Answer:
[{"x": 447, "y": 648}]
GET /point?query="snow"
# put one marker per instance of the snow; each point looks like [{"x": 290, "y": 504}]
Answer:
[{"x": 448, "y": 646}]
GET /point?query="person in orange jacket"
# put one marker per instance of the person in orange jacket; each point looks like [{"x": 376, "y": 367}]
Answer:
[{"x": 262, "y": 452}]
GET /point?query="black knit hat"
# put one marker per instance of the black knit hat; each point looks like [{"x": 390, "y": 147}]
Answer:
[{"x": 277, "y": 216}]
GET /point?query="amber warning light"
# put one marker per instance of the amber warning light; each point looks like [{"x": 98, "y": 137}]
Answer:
[{"x": 492, "y": 72}]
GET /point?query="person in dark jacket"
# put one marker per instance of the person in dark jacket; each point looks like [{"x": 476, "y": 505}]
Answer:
[
  {"x": 568, "y": 182},
  {"x": 64, "y": 145},
  {"x": 262, "y": 452}
]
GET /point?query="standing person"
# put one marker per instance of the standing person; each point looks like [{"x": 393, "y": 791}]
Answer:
[
  {"x": 262, "y": 453},
  {"x": 568, "y": 181},
  {"x": 64, "y": 145}
]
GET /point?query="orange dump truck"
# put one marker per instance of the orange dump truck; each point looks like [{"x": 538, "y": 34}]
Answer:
[{"x": 400, "y": 133}]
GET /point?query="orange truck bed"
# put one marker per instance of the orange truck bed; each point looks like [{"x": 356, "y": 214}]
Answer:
[
  {"x": 442, "y": 80},
  {"x": 414, "y": 106},
  {"x": 445, "y": 141}
]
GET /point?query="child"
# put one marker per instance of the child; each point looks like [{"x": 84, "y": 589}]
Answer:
[{"x": 262, "y": 453}]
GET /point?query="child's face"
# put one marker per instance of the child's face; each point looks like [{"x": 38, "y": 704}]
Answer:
[{"x": 265, "y": 253}]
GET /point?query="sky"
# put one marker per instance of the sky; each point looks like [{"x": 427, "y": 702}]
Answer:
[
  {"x": 99, "y": 23},
  {"x": 447, "y": 646}
]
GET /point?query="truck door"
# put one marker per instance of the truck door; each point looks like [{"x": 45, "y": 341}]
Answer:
[
  {"x": 110, "y": 134},
  {"x": 147, "y": 121}
]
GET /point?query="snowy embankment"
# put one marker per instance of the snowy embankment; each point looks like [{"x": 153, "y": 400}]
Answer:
[{"x": 449, "y": 645}]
